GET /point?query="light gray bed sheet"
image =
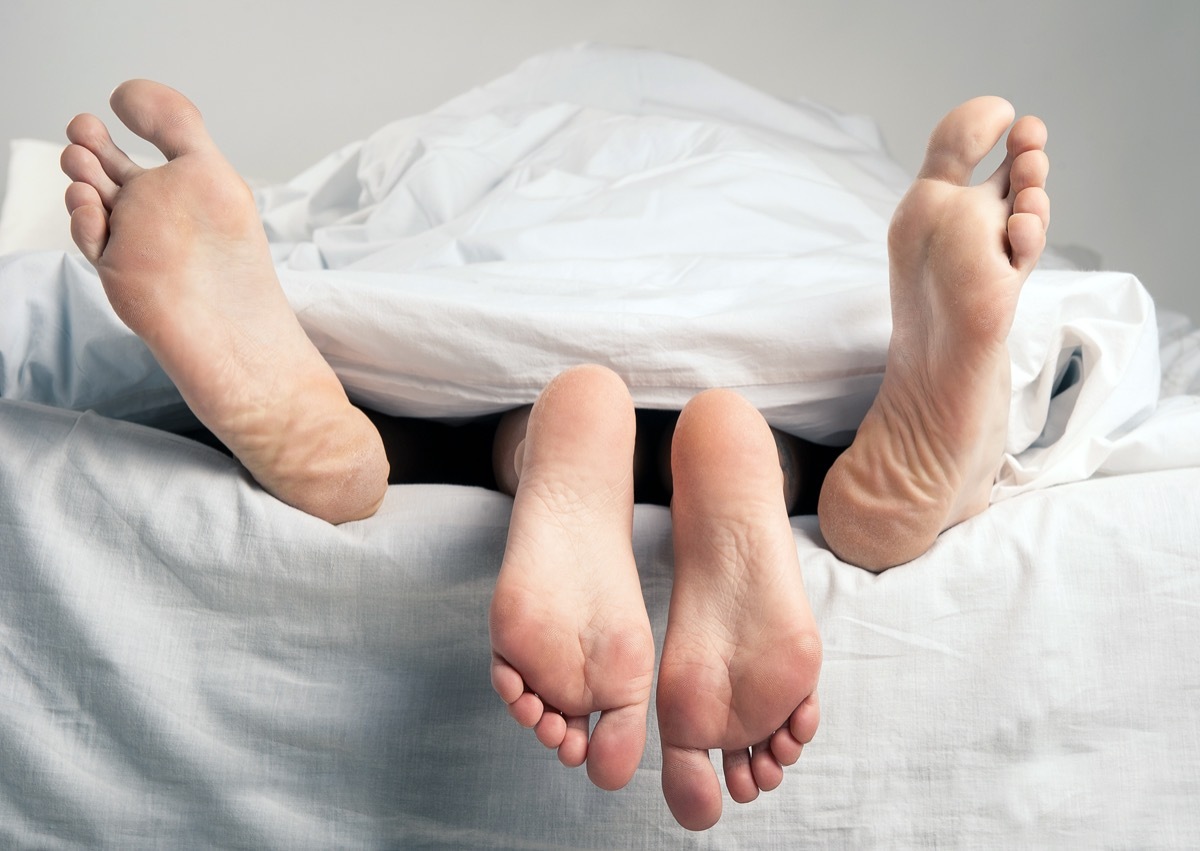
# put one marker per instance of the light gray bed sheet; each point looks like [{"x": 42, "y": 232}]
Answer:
[{"x": 186, "y": 662}]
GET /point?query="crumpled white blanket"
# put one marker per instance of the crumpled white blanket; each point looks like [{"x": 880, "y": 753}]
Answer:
[{"x": 638, "y": 210}]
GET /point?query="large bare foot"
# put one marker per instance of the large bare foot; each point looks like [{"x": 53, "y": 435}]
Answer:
[
  {"x": 185, "y": 263},
  {"x": 742, "y": 653},
  {"x": 928, "y": 450},
  {"x": 570, "y": 633}
]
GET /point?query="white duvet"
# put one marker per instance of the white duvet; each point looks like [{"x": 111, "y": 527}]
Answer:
[{"x": 633, "y": 209}]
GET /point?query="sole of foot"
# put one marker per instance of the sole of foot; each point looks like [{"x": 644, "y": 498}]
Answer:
[
  {"x": 927, "y": 452},
  {"x": 185, "y": 264},
  {"x": 742, "y": 653},
  {"x": 570, "y": 632}
]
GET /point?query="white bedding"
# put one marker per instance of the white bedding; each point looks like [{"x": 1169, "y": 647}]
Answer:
[
  {"x": 189, "y": 663},
  {"x": 185, "y": 661}
]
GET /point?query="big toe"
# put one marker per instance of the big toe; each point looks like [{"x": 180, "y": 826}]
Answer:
[
  {"x": 690, "y": 787},
  {"x": 616, "y": 746},
  {"x": 160, "y": 115},
  {"x": 964, "y": 137}
]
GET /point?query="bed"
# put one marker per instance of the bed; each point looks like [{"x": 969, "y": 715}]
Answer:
[{"x": 187, "y": 662}]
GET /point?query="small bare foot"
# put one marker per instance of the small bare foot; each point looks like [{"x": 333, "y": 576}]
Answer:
[
  {"x": 570, "y": 633},
  {"x": 742, "y": 653},
  {"x": 185, "y": 263},
  {"x": 927, "y": 452}
]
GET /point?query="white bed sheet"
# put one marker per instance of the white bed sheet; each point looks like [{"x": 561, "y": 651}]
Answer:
[{"x": 189, "y": 663}]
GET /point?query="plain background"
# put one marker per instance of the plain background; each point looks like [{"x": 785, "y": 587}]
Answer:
[{"x": 283, "y": 82}]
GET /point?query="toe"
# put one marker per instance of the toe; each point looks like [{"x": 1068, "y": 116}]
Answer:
[
  {"x": 1026, "y": 238},
  {"x": 690, "y": 787},
  {"x": 551, "y": 729},
  {"x": 739, "y": 776},
  {"x": 1034, "y": 200},
  {"x": 1026, "y": 163},
  {"x": 88, "y": 131},
  {"x": 527, "y": 710},
  {"x": 89, "y": 230},
  {"x": 964, "y": 137},
  {"x": 766, "y": 767},
  {"x": 82, "y": 194},
  {"x": 616, "y": 746},
  {"x": 160, "y": 115},
  {"x": 82, "y": 166},
  {"x": 1029, "y": 170},
  {"x": 506, "y": 680},
  {"x": 525, "y": 707},
  {"x": 785, "y": 747},
  {"x": 1027, "y": 134},
  {"x": 573, "y": 749},
  {"x": 805, "y": 720}
]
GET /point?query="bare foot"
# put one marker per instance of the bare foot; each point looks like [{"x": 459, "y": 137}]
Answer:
[
  {"x": 185, "y": 263},
  {"x": 928, "y": 450},
  {"x": 742, "y": 653},
  {"x": 570, "y": 633}
]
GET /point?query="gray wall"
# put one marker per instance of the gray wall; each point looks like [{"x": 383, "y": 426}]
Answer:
[{"x": 282, "y": 82}]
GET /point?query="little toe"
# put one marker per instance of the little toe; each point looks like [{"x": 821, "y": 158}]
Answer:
[
  {"x": 89, "y": 230},
  {"x": 525, "y": 707},
  {"x": 964, "y": 137},
  {"x": 506, "y": 680},
  {"x": 160, "y": 115},
  {"x": 690, "y": 787},
  {"x": 804, "y": 721}
]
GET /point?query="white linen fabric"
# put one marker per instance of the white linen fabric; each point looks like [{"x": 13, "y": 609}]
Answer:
[
  {"x": 622, "y": 207},
  {"x": 188, "y": 662}
]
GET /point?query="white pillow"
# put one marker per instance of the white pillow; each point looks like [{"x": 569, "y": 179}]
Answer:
[{"x": 34, "y": 215}]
